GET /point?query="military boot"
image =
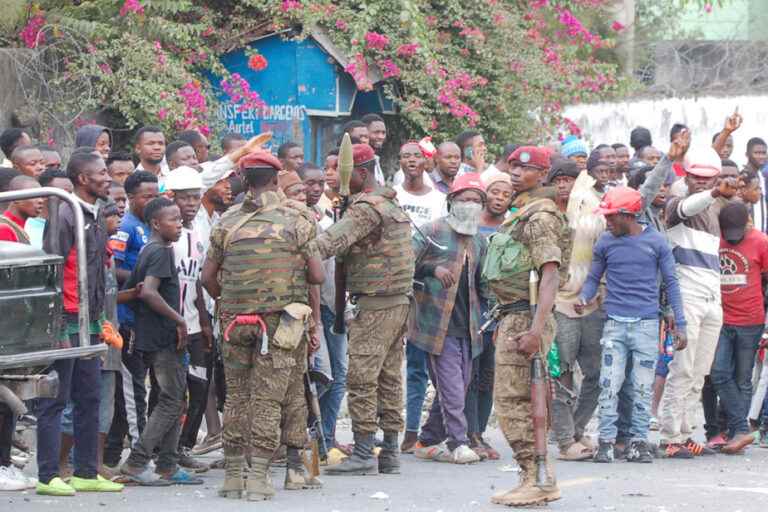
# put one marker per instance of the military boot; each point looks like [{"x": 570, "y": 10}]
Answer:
[
  {"x": 389, "y": 461},
  {"x": 234, "y": 484},
  {"x": 361, "y": 462},
  {"x": 259, "y": 487},
  {"x": 527, "y": 494},
  {"x": 296, "y": 478}
]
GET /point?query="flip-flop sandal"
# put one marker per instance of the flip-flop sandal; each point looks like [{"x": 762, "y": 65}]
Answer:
[
  {"x": 181, "y": 477},
  {"x": 576, "y": 452},
  {"x": 146, "y": 478}
]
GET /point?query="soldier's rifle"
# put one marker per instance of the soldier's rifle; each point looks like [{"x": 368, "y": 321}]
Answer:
[{"x": 346, "y": 163}]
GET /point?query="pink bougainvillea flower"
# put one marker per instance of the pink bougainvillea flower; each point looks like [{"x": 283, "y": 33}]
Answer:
[
  {"x": 239, "y": 91},
  {"x": 257, "y": 62},
  {"x": 104, "y": 67},
  {"x": 407, "y": 50},
  {"x": 289, "y": 5},
  {"x": 376, "y": 41},
  {"x": 539, "y": 4},
  {"x": 617, "y": 26},
  {"x": 389, "y": 69},
  {"x": 358, "y": 68},
  {"x": 133, "y": 6},
  {"x": 30, "y": 33},
  {"x": 342, "y": 25},
  {"x": 162, "y": 114},
  {"x": 707, "y": 7}
]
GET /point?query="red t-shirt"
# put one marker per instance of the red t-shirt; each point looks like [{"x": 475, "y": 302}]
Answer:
[
  {"x": 741, "y": 267},
  {"x": 7, "y": 234}
]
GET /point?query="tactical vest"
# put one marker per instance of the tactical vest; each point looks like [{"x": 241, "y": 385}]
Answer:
[
  {"x": 508, "y": 262},
  {"x": 262, "y": 269},
  {"x": 383, "y": 262}
]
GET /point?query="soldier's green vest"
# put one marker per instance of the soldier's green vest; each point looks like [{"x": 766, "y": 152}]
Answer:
[
  {"x": 508, "y": 262},
  {"x": 262, "y": 270},
  {"x": 383, "y": 262}
]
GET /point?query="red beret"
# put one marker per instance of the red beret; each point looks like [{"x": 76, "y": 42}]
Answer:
[
  {"x": 260, "y": 159},
  {"x": 362, "y": 154},
  {"x": 531, "y": 155}
]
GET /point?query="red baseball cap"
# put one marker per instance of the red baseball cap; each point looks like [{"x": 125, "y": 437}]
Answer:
[
  {"x": 362, "y": 154},
  {"x": 469, "y": 181},
  {"x": 620, "y": 200},
  {"x": 260, "y": 159},
  {"x": 531, "y": 155}
]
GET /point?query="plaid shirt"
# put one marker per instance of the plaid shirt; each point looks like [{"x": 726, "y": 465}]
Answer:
[{"x": 433, "y": 305}]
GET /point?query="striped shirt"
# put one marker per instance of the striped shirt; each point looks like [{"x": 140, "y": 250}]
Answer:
[{"x": 693, "y": 231}]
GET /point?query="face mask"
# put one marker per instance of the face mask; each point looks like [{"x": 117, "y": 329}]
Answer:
[{"x": 464, "y": 217}]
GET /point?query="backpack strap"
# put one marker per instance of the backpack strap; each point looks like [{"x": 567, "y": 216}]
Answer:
[{"x": 21, "y": 235}]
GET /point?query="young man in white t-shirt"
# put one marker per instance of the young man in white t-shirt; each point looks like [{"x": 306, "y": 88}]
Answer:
[
  {"x": 420, "y": 201},
  {"x": 423, "y": 204},
  {"x": 186, "y": 184}
]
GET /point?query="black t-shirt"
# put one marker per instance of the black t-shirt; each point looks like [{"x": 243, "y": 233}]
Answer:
[
  {"x": 458, "y": 326},
  {"x": 155, "y": 332}
]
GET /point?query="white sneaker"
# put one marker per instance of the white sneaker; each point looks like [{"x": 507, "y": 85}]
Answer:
[
  {"x": 9, "y": 481},
  {"x": 19, "y": 474},
  {"x": 463, "y": 454}
]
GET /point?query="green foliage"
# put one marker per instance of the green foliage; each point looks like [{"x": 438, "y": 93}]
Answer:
[{"x": 506, "y": 66}]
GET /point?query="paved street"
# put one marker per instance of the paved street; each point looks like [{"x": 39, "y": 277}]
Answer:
[{"x": 719, "y": 483}]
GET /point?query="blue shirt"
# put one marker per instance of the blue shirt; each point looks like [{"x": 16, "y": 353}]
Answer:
[
  {"x": 632, "y": 265},
  {"x": 132, "y": 235}
]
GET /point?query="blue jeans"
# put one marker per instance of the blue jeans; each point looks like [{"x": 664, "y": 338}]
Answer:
[
  {"x": 330, "y": 401},
  {"x": 732, "y": 373},
  {"x": 620, "y": 341},
  {"x": 480, "y": 393},
  {"x": 416, "y": 385},
  {"x": 79, "y": 381}
]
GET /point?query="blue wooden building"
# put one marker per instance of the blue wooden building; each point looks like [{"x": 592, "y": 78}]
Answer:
[{"x": 308, "y": 94}]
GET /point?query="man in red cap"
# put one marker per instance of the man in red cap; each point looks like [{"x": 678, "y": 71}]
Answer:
[
  {"x": 446, "y": 318},
  {"x": 530, "y": 244},
  {"x": 632, "y": 256},
  {"x": 259, "y": 269},
  {"x": 694, "y": 234},
  {"x": 374, "y": 238}
]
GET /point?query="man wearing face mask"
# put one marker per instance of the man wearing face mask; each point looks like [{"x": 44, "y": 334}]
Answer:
[
  {"x": 446, "y": 317},
  {"x": 533, "y": 238},
  {"x": 374, "y": 238}
]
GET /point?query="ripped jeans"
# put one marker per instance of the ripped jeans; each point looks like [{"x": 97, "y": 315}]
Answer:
[{"x": 638, "y": 339}]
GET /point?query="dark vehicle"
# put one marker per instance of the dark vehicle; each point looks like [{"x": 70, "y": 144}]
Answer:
[{"x": 31, "y": 310}]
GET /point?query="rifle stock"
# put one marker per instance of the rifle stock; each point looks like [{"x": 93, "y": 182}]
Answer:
[
  {"x": 539, "y": 399},
  {"x": 340, "y": 300},
  {"x": 317, "y": 439}
]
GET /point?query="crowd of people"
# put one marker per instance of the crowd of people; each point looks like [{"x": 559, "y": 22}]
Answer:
[{"x": 638, "y": 274}]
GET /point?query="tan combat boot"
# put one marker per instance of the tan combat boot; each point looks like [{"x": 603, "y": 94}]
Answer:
[
  {"x": 527, "y": 494},
  {"x": 259, "y": 487},
  {"x": 234, "y": 485},
  {"x": 296, "y": 478}
]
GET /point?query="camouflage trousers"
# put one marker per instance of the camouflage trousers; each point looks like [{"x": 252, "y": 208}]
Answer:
[
  {"x": 512, "y": 384},
  {"x": 374, "y": 379},
  {"x": 265, "y": 404}
]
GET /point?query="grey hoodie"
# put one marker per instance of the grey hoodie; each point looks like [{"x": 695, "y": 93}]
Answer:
[{"x": 87, "y": 135}]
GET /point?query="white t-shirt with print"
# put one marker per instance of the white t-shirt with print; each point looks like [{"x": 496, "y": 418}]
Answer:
[
  {"x": 422, "y": 209},
  {"x": 188, "y": 255}
]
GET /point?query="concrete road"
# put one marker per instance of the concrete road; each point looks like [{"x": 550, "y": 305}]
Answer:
[{"x": 717, "y": 483}]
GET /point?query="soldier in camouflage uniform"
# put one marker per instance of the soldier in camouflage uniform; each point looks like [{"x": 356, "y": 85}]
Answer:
[
  {"x": 531, "y": 239},
  {"x": 258, "y": 268},
  {"x": 374, "y": 241}
]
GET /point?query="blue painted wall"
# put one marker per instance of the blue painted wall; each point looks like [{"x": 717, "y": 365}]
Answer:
[{"x": 301, "y": 83}]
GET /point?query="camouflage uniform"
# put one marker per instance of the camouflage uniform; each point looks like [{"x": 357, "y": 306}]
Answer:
[
  {"x": 540, "y": 231},
  {"x": 263, "y": 270},
  {"x": 374, "y": 240}
]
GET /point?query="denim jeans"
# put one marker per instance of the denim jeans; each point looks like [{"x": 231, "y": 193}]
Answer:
[
  {"x": 480, "y": 393},
  {"x": 417, "y": 379},
  {"x": 624, "y": 410},
  {"x": 164, "y": 424},
  {"x": 620, "y": 340},
  {"x": 106, "y": 406},
  {"x": 330, "y": 401},
  {"x": 732, "y": 373},
  {"x": 578, "y": 341},
  {"x": 79, "y": 381}
]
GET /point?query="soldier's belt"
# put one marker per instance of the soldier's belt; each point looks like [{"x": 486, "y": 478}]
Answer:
[
  {"x": 375, "y": 302},
  {"x": 519, "y": 306},
  {"x": 250, "y": 320}
]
